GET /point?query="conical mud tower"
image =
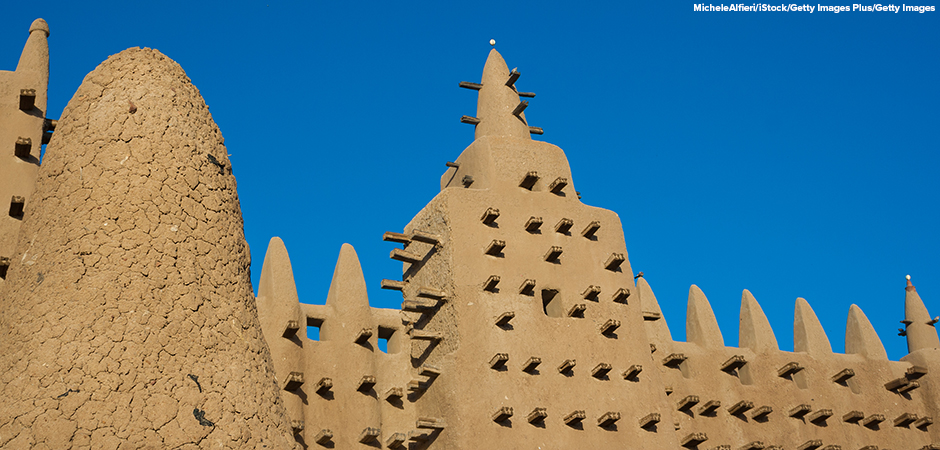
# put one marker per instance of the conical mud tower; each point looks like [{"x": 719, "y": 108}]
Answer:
[{"x": 127, "y": 317}]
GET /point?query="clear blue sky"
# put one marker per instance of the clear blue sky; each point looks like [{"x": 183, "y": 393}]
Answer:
[{"x": 792, "y": 154}]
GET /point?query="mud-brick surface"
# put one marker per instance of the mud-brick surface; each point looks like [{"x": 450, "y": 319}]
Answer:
[{"x": 130, "y": 322}]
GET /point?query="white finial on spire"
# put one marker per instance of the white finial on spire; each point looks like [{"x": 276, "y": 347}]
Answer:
[
  {"x": 493, "y": 42},
  {"x": 908, "y": 278}
]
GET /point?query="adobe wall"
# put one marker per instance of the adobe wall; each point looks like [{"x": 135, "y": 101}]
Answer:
[
  {"x": 129, "y": 320},
  {"x": 23, "y": 99}
]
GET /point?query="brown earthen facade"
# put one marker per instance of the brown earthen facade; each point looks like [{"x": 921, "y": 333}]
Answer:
[{"x": 127, "y": 318}]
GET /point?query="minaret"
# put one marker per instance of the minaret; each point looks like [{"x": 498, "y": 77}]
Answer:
[
  {"x": 920, "y": 330},
  {"x": 133, "y": 301},
  {"x": 498, "y": 100},
  {"x": 539, "y": 325},
  {"x": 23, "y": 127}
]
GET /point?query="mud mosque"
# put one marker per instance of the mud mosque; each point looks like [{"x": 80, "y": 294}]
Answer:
[{"x": 128, "y": 319}]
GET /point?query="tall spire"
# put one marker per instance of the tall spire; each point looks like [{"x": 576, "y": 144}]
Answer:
[
  {"x": 921, "y": 333},
  {"x": 808, "y": 334},
  {"x": 348, "y": 298},
  {"x": 754, "y": 331},
  {"x": 497, "y": 101},
  {"x": 659, "y": 330},
  {"x": 35, "y": 56},
  {"x": 861, "y": 338},
  {"x": 701, "y": 327}
]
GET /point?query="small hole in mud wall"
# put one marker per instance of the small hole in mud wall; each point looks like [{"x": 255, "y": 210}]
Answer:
[
  {"x": 16, "y": 207},
  {"x": 313, "y": 328},
  {"x": 388, "y": 340},
  {"x": 551, "y": 303}
]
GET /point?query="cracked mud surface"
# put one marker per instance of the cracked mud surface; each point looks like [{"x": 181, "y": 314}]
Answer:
[{"x": 131, "y": 274}]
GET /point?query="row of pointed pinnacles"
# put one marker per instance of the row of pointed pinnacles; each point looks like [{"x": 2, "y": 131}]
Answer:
[
  {"x": 390, "y": 385},
  {"x": 753, "y": 396}
]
